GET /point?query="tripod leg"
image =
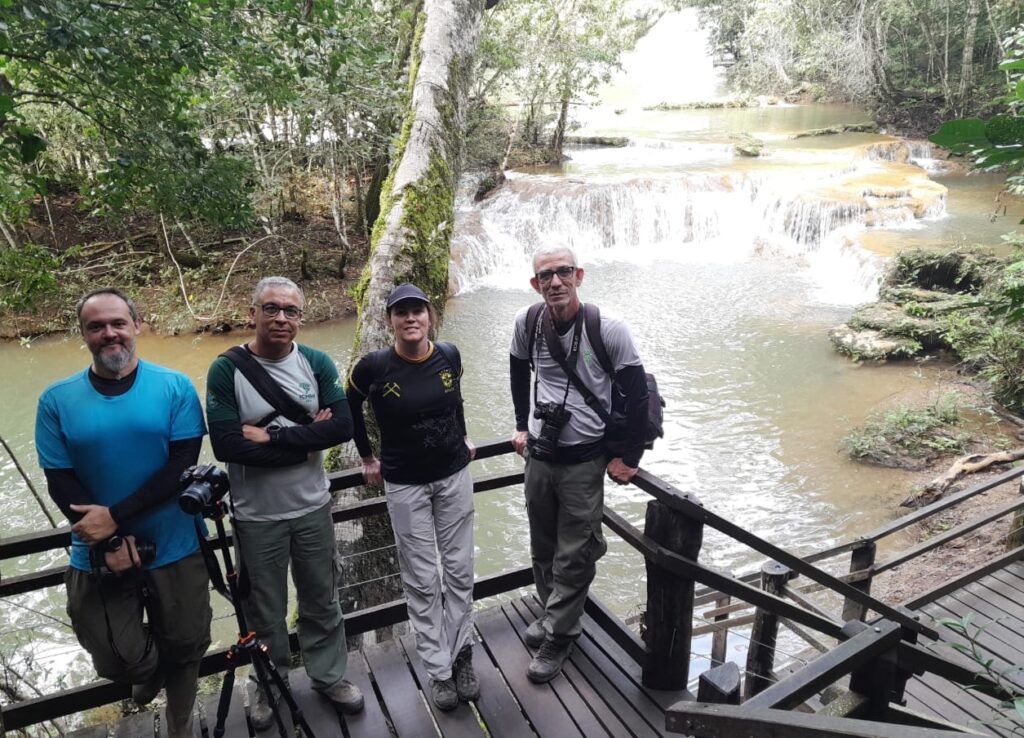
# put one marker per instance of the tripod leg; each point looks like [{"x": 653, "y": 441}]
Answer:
[
  {"x": 286, "y": 693},
  {"x": 224, "y": 704},
  {"x": 265, "y": 673}
]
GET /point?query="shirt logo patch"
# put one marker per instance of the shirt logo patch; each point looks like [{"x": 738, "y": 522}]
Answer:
[
  {"x": 307, "y": 391},
  {"x": 447, "y": 379},
  {"x": 392, "y": 388}
]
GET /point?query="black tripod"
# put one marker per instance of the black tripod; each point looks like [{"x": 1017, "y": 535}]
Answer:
[{"x": 248, "y": 643}]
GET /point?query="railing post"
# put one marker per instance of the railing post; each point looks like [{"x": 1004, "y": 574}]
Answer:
[
  {"x": 669, "y": 617},
  {"x": 1015, "y": 537},
  {"x": 765, "y": 631},
  {"x": 862, "y": 557},
  {"x": 720, "y": 638},
  {"x": 720, "y": 685}
]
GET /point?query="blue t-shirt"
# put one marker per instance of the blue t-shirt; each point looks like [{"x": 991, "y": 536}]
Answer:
[{"x": 115, "y": 444}]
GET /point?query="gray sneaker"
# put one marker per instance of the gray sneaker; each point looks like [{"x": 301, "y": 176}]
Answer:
[
  {"x": 444, "y": 694},
  {"x": 466, "y": 683},
  {"x": 345, "y": 695},
  {"x": 547, "y": 664},
  {"x": 260, "y": 714},
  {"x": 535, "y": 633}
]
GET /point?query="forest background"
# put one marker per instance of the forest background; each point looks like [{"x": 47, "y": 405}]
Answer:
[{"x": 183, "y": 148}]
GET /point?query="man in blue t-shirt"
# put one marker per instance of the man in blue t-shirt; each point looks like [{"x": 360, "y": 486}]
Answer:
[{"x": 113, "y": 441}]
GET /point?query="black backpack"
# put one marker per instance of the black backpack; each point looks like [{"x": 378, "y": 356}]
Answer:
[{"x": 614, "y": 423}]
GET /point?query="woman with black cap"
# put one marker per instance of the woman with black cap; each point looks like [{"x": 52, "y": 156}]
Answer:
[{"x": 414, "y": 389}]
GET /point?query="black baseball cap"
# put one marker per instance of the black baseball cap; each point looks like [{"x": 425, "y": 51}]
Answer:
[{"x": 406, "y": 292}]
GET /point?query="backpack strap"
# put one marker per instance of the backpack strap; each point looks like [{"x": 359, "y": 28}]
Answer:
[
  {"x": 268, "y": 389},
  {"x": 592, "y": 322},
  {"x": 532, "y": 316},
  {"x": 448, "y": 351}
]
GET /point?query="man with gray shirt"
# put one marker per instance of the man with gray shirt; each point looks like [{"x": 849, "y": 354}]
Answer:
[
  {"x": 563, "y": 440},
  {"x": 279, "y": 491}
]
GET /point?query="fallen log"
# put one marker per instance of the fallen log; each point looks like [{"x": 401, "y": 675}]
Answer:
[{"x": 963, "y": 466}]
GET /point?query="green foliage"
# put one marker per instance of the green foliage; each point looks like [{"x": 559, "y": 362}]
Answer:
[
  {"x": 999, "y": 141},
  {"x": 185, "y": 107},
  {"x": 904, "y": 436},
  {"x": 26, "y": 275}
]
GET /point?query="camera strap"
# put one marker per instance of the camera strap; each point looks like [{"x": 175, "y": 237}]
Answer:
[
  {"x": 144, "y": 598},
  {"x": 568, "y": 363},
  {"x": 212, "y": 565}
]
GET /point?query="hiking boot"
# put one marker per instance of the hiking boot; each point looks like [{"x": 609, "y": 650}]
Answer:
[
  {"x": 535, "y": 633},
  {"x": 466, "y": 683},
  {"x": 260, "y": 714},
  {"x": 345, "y": 695},
  {"x": 444, "y": 694},
  {"x": 547, "y": 664},
  {"x": 146, "y": 692}
]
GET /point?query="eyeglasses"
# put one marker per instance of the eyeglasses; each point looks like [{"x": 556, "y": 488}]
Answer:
[
  {"x": 271, "y": 309},
  {"x": 563, "y": 272}
]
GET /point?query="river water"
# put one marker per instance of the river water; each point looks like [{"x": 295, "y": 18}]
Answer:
[{"x": 728, "y": 270}]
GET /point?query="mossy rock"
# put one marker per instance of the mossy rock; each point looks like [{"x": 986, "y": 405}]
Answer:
[
  {"x": 872, "y": 345},
  {"x": 747, "y": 145},
  {"x": 959, "y": 271},
  {"x": 610, "y": 141},
  {"x": 867, "y": 127},
  {"x": 906, "y": 293},
  {"x": 892, "y": 320}
]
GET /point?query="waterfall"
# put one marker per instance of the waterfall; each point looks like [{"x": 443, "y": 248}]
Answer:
[{"x": 638, "y": 212}]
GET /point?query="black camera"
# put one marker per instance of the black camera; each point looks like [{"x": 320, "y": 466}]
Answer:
[
  {"x": 545, "y": 446},
  {"x": 202, "y": 487},
  {"x": 98, "y": 552}
]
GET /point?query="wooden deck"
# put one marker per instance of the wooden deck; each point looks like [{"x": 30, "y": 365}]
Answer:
[
  {"x": 598, "y": 694},
  {"x": 996, "y": 605}
]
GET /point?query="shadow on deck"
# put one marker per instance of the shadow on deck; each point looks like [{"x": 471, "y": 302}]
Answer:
[{"x": 599, "y": 693}]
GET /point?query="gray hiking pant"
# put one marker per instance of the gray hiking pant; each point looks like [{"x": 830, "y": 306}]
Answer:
[
  {"x": 564, "y": 503},
  {"x": 180, "y": 630},
  {"x": 431, "y": 521},
  {"x": 266, "y": 547}
]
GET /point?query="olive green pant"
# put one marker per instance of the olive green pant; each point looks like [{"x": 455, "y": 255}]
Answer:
[
  {"x": 180, "y": 629},
  {"x": 564, "y": 503},
  {"x": 307, "y": 542}
]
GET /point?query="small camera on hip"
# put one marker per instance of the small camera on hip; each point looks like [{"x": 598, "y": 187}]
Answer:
[
  {"x": 146, "y": 551},
  {"x": 545, "y": 446},
  {"x": 202, "y": 487}
]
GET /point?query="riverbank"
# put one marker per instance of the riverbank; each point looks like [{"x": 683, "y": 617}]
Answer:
[{"x": 184, "y": 279}]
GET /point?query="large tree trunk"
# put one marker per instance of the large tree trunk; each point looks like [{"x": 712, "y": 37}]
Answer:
[{"x": 412, "y": 237}]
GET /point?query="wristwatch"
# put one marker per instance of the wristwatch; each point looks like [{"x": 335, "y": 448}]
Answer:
[{"x": 274, "y": 431}]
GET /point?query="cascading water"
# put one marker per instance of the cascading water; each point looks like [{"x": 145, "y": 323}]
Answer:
[{"x": 691, "y": 202}]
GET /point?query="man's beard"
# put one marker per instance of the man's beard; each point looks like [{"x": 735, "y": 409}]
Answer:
[{"x": 115, "y": 362}]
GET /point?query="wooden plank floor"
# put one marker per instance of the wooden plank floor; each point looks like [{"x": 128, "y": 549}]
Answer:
[
  {"x": 995, "y": 603},
  {"x": 598, "y": 694}
]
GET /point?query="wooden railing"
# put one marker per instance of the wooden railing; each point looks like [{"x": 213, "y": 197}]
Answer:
[{"x": 670, "y": 544}]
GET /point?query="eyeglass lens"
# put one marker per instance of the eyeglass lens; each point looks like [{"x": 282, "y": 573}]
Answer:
[
  {"x": 271, "y": 309},
  {"x": 563, "y": 272}
]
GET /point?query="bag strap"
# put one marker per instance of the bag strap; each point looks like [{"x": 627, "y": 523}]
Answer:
[
  {"x": 448, "y": 352},
  {"x": 592, "y": 320},
  {"x": 268, "y": 389},
  {"x": 532, "y": 315},
  {"x": 557, "y": 352}
]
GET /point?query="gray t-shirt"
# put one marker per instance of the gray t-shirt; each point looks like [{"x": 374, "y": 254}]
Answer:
[
  {"x": 585, "y": 425},
  {"x": 275, "y": 493}
]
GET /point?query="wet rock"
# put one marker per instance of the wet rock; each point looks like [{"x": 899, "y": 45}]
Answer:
[
  {"x": 867, "y": 127},
  {"x": 488, "y": 184},
  {"x": 747, "y": 145},
  {"x": 891, "y": 319},
  {"x": 615, "y": 141},
  {"x": 865, "y": 344}
]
